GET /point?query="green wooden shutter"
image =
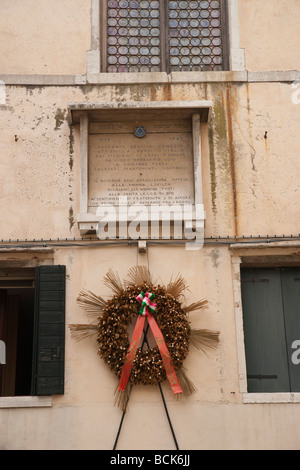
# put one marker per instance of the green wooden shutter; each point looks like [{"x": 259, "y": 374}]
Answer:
[
  {"x": 49, "y": 331},
  {"x": 290, "y": 284},
  {"x": 264, "y": 330}
]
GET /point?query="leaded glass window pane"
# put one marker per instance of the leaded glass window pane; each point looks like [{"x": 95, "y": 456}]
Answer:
[
  {"x": 133, "y": 36},
  {"x": 165, "y": 35},
  {"x": 195, "y": 35}
]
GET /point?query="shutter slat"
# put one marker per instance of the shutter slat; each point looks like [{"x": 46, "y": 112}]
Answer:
[
  {"x": 51, "y": 305},
  {"x": 49, "y": 296},
  {"x": 48, "y": 367},
  {"x": 50, "y": 317},
  {"x": 54, "y": 285},
  {"x": 50, "y": 329},
  {"x": 50, "y": 342},
  {"x": 46, "y": 383}
]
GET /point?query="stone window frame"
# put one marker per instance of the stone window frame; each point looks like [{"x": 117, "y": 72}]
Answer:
[
  {"x": 80, "y": 113},
  {"x": 277, "y": 254},
  {"x": 236, "y": 55}
]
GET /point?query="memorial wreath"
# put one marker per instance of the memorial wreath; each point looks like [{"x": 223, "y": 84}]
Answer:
[{"x": 135, "y": 300}]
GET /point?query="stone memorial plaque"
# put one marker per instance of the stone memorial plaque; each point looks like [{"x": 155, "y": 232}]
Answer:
[{"x": 156, "y": 169}]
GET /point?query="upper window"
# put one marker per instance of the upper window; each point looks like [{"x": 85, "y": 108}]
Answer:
[{"x": 163, "y": 36}]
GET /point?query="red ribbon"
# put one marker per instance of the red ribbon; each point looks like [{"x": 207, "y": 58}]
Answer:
[{"x": 134, "y": 344}]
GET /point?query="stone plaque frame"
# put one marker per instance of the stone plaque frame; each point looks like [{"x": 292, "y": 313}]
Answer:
[{"x": 84, "y": 114}]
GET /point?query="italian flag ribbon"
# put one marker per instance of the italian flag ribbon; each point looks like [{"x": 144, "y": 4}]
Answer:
[
  {"x": 147, "y": 305},
  {"x": 146, "y": 310}
]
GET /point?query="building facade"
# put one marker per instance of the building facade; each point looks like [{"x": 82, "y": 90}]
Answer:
[{"x": 216, "y": 86}]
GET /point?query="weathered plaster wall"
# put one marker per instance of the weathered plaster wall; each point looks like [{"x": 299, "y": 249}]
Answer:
[
  {"x": 270, "y": 35},
  {"x": 253, "y": 147},
  {"x": 54, "y": 36},
  {"x": 245, "y": 175},
  {"x": 250, "y": 156},
  {"x": 44, "y": 37}
]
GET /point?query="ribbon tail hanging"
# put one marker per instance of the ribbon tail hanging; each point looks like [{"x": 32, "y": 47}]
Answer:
[
  {"x": 146, "y": 311},
  {"x": 131, "y": 353},
  {"x": 165, "y": 355}
]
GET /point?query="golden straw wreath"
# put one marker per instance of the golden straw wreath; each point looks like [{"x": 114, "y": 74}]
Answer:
[{"x": 110, "y": 320}]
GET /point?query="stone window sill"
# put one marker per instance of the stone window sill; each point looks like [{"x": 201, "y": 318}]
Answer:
[
  {"x": 252, "y": 398},
  {"x": 163, "y": 77},
  {"x": 25, "y": 402}
]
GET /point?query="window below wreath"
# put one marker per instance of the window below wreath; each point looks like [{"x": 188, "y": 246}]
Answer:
[
  {"x": 271, "y": 320},
  {"x": 163, "y": 36},
  {"x": 32, "y": 328}
]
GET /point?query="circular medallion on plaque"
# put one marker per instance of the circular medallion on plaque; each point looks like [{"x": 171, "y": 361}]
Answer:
[{"x": 140, "y": 132}]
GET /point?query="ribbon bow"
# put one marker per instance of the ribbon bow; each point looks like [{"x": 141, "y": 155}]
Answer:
[
  {"x": 147, "y": 306},
  {"x": 146, "y": 310}
]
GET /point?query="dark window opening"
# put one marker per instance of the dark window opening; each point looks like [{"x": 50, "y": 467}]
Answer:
[
  {"x": 16, "y": 330},
  {"x": 32, "y": 327}
]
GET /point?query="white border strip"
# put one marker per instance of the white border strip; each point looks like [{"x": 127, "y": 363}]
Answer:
[
  {"x": 236, "y": 54},
  {"x": 271, "y": 398}
]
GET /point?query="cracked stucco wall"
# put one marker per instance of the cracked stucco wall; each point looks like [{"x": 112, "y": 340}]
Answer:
[
  {"x": 269, "y": 34},
  {"x": 52, "y": 36},
  {"x": 249, "y": 162}
]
